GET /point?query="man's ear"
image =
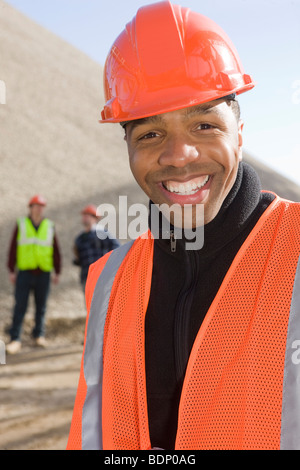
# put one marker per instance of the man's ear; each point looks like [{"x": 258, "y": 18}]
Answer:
[{"x": 240, "y": 138}]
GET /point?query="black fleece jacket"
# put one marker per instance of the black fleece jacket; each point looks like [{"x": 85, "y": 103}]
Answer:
[{"x": 184, "y": 284}]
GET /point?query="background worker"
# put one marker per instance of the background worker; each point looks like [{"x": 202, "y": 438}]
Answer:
[
  {"x": 88, "y": 247},
  {"x": 191, "y": 349},
  {"x": 33, "y": 254}
]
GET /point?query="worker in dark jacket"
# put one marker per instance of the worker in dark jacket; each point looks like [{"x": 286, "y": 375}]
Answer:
[
  {"x": 33, "y": 254},
  {"x": 88, "y": 247}
]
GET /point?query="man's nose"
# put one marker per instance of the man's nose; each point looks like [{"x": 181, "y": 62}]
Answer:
[{"x": 178, "y": 152}]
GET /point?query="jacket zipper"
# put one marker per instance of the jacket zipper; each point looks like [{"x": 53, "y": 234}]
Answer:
[
  {"x": 173, "y": 241},
  {"x": 182, "y": 312}
]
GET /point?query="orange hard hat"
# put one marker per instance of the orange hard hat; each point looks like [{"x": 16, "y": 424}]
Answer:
[
  {"x": 90, "y": 209},
  {"x": 167, "y": 58},
  {"x": 37, "y": 199}
]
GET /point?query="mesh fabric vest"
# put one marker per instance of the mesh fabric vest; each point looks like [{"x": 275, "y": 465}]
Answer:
[
  {"x": 35, "y": 247},
  {"x": 240, "y": 386}
]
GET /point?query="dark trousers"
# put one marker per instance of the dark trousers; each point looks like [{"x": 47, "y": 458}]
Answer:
[{"x": 39, "y": 283}]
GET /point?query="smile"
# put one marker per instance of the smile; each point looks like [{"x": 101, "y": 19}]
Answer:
[{"x": 186, "y": 188}]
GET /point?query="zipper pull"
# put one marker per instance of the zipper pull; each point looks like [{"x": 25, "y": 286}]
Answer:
[{"x": 173, "y": 241}]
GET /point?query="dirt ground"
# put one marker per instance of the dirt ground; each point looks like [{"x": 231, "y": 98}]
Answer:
[{"x": 38, "y": 387}]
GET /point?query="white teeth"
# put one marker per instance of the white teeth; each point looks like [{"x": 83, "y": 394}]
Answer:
[{"x": 186, "y": 189}]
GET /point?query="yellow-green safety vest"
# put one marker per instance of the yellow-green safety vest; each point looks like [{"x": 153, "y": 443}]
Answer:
[{"x": 35, "y": 247}]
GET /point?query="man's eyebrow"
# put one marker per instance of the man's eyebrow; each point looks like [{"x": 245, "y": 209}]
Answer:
[
  {"x": 201, "y": 109},
  {"x": 150, "y": 119},
  {"x": 189, "y": 112}
]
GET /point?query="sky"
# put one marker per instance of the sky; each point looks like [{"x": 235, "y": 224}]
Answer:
[{"x": 266, "y": 34}]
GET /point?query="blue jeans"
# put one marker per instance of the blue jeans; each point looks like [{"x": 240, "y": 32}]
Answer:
[{"x": 39, "y": 283}]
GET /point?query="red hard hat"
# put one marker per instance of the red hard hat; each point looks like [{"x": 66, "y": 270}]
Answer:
[
  {"x": 38, "y": 199},
  {"x": 168, "y": 58},
  {"x": 90, "y": 209}
]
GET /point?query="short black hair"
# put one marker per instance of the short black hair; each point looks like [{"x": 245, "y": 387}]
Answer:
[{"x": 235, "y": 105}]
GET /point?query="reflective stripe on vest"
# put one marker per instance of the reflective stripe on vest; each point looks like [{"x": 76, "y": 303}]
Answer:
[
  {"x": 290, "y": 420},
  {"x": 24, "y": 240},
  {"x": 284, "y": 349},
  {"x": 93, "y": 368}
]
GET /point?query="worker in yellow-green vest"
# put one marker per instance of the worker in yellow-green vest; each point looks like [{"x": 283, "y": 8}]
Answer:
[{"x": 33, "y": 254}]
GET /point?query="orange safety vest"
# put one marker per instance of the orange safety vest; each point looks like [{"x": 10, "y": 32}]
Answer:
[{"x": 242, "y": 383}]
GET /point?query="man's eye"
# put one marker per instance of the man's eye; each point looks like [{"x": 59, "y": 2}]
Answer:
[
  {"x": 149, "y": 135},
  {"x": 205, "y": 126}
]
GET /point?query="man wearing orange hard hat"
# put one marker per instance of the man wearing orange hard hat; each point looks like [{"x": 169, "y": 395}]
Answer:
[
  {"x": 185, "y": 348},
  {"x": 88, "y": 246},
  {"x": 33, "y": 254}
]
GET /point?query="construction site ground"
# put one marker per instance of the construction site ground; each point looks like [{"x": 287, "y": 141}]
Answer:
[{"x": 38, "y": 388}]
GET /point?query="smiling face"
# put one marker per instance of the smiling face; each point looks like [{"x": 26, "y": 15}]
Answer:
[{"x": 187, "y": 157}]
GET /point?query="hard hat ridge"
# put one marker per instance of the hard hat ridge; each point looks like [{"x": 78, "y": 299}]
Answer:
[
  {"x": 90, "y": 209},
  {"x": 167, "y": 58},
  {"x": 37, "y": 199}
]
